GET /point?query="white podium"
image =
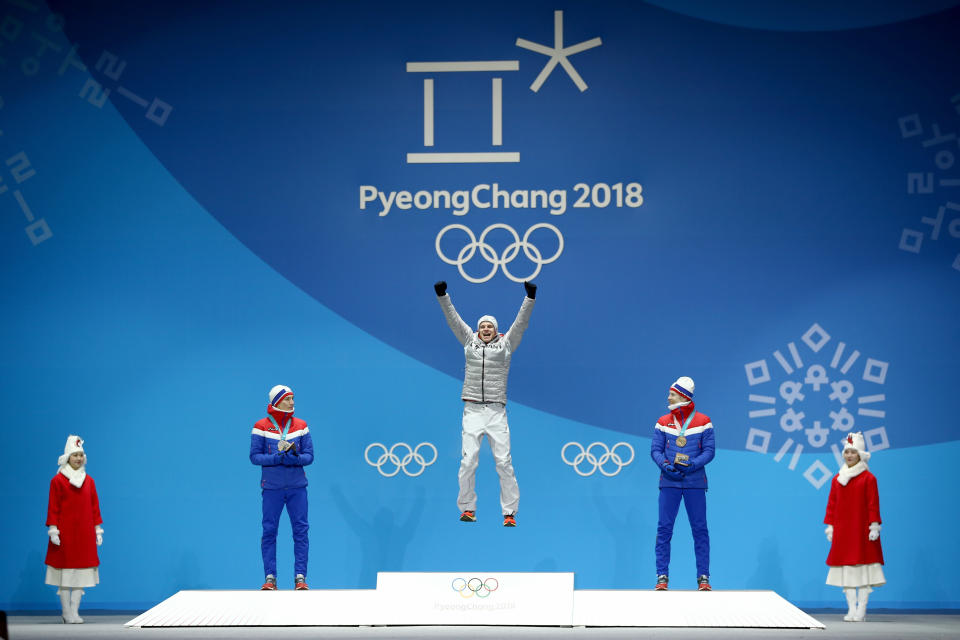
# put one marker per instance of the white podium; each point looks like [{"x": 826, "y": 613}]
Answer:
[
  {"x": 317, "y": 607},
  {"x": 678, "y": 608},
  {"x": 475, "y": 598}
]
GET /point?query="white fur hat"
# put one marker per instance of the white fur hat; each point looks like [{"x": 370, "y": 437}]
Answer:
[
  {"x": 278, "y": 393},
  {"x": 488, "y": 319},
  {"x": 73, "y": 445},
  {"x": 855, "y": 441},
  {"x": 683, "y": 386}
]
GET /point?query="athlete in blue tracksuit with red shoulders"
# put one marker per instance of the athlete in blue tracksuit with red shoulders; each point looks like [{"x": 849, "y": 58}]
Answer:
[
  {"x": 282, "y": 446},
  {"x": 682, "y": 446}
]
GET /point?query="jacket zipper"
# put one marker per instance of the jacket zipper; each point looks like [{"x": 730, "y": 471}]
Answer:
[{"x": 483, "y": 373}]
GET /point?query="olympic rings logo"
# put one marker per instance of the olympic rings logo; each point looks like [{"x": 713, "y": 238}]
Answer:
[
  {"x": 474, "y": 587},
  {"x": 489, "y": 254},
  {"x": 393, "y": 461},
  {"x": 598, "y": 462}
]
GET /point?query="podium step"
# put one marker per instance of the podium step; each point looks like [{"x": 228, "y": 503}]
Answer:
[
  {"x": 317, "y": 607},
  {"x": 765, "y": 609},
  {"x": 475, "y": 598}
]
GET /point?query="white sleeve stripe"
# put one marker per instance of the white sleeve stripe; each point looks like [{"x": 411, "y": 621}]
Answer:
[
  {"x": 276, "y": 436},
  {"x": 265, "y": 434},
  {"x": 670, "y": 430},
  {"x": 699, "y": 429}
]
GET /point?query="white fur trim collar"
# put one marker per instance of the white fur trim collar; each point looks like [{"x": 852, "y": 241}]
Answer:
[
  {"x": 846, "y": 473},
  {"x": 75, "y": 476}
]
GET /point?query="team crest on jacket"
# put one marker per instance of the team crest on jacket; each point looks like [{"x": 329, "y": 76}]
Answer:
[{"x": 496, "y": 343}]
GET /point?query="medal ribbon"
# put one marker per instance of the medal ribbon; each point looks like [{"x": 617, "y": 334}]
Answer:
[
  {"x": 686, "y": 423},
  {"x": 283, "y": 432}
]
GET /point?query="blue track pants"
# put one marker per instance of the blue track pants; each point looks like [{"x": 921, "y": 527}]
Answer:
[
  {"x": 296, "y": 502},
  {"x": 695, "y": 500}
]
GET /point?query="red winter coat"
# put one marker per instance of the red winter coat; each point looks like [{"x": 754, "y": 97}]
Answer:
[
  {"x": 851, "y": 509},
  {"x": 76, "y": 513}
]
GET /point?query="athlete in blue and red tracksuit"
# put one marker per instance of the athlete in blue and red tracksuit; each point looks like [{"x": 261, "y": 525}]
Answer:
[
  {"x": 282, "y": 446},
  {"x": 682, "y": 446}
]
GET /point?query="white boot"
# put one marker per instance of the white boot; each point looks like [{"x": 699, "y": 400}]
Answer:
[
  {"x": 75, "y": 595},
  {"x": 863, "y": 596},
  {"x": 66, "y": 606},
  {"x": 65, "y": 614},
  {"x": 851, "y": 604}
]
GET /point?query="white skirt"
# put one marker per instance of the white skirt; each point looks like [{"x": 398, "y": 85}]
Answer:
[
  {"x": 73, "y": 578},
  {"x": 856, "y": 575}
]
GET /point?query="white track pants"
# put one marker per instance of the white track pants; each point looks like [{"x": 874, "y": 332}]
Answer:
[{"x": 486, "y": 420}]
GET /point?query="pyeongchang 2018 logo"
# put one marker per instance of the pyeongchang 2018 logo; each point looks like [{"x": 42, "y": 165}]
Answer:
[
  {"x": 480, "y": 253},
  {"x": 810, "y": 397},
  {"x": 557, "y": 55}
]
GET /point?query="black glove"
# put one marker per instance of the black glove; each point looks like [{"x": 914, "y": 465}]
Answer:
[
  {"x": 440, "y": 288},
  {"x": 531, "y": 289}
]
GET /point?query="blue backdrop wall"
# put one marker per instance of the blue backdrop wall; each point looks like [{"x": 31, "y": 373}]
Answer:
[{"x": 200, "y": 202}]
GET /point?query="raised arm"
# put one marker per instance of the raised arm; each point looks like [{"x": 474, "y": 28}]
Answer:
[
  {"x": 460, "y": 328},
  {"x": 515, "y": 334}
]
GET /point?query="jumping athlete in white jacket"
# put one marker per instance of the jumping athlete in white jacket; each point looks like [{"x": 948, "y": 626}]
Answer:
[{"x": 487, "y": 355}]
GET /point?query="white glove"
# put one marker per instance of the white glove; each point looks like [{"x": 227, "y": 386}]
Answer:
[
  {"x": 54, "y": 534},
  {"x": 829, "y": 532},
  {"x": 874, "y": 531},
  {"x": 99, "y": 531}
]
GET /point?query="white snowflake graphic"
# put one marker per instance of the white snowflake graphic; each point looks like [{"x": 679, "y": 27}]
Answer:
[{"x": 798, "y": 383}]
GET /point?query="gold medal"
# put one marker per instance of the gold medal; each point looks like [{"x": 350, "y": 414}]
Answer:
[{"x": 681, "y": 441}]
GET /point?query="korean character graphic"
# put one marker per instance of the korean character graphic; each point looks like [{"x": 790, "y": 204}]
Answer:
[
  {"x": 54, "y": 24},
  {"x": 94, "y": 93},
  {"x": 10, "y": 28},
  {"x": 37, "y": 230},
  {"x": 912, "y": 240},
  {"x": 71, "y": 60},
  {"x": 20, "y": 167},
  {"x": 919, "y": 182},
  {"x": 110, "y": 65},
  {"x": 30, "y": 66},
  {"x": 910, "y": 125},
  {"x": 944, "y": 158}
]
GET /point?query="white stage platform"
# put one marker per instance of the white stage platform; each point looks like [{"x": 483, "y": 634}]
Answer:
[
  {"x": 476, "y": 598},
  {"x": 758, "y": 609},
  {"x": 316, "y": 608}
]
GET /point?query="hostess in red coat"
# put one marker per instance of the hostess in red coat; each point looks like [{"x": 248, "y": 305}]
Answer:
[
  {"x": 75, "y": 512},
  {"x": 850, "y": 510}
]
